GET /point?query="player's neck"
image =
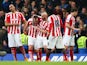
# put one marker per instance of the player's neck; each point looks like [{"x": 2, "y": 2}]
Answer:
[{"x": 13, "y": 11}]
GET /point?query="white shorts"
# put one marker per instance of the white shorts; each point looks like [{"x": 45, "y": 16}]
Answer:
[
  {"x": 68, "y": 40},
  {"x": 55, "y": 42},
  {"x": 41, "y": 42},
  {"x": 14, "y": 40},
  {"x": 31, "y": 40}
]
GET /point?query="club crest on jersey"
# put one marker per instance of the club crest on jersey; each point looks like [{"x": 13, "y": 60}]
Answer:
[{"x": 56, "y": 23}]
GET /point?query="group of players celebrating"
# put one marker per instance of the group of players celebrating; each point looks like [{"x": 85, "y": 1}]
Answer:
[{"x": 43, "y": 32}]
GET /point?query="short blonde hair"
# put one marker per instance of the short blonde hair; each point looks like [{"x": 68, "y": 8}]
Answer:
[{"x": 44, "y": 13}]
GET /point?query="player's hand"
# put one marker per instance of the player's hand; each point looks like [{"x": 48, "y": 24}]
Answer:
[
  {"x": 77, "y": 29},
  {"x": 25, "y": 32},
  {"x": 48, "y": 33}
]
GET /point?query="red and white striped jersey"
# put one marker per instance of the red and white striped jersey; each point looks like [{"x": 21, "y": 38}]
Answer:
[
  {"x": 71, "y": 21},
  {"x": 14, "y": 18},
  {"x": 55, "y": 24},
  {"x": 31, "y": 30},
  {"x": 44, "y": 26}
]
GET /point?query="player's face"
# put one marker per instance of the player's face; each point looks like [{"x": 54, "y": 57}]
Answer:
[
  {"x": 76, "y": 13},
  {"x": 44, "y": 17},
  {"x": 35, "y": 20},
  {"x": 12, "y": 7}
]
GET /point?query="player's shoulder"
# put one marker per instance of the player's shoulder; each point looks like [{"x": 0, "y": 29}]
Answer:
[
  {"x": 52, "y": 16},
  {"x": 8, "y": 14},
  {"x": 18, "y": 12},
  {"x": 30, "y": 19}
]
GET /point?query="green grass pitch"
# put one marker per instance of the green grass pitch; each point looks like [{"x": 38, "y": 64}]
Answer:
[{"x": 40, "y": 63}]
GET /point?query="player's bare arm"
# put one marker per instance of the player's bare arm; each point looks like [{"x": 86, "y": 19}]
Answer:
[
  {"x": 72, "y": 27},
  {"x": 9, "y": 24},
  {"x": 25, "y": 26}
]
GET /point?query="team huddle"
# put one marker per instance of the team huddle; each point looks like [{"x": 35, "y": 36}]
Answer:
[{"x": 43, "y": 32}]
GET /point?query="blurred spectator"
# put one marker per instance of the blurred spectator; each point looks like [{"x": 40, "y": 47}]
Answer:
[
  {"x": 44, "y": 3},
  {"x": 36, "y": 10},
  {"x": 63, "y": 4},
  {"x": 18, "y": 4},
  {"x": 5, "y": 5},
  {"x": 26, "y": 3},
  {"x": 82, "y": 42},
  {"x": 24, "y": 39},
  {"x": 50, "y": 9},
  {"x": 83, "y": 15},
  {"x": 3, "y": 32},
  {"x": 42, "y": 9},
  {"x": 32, "y": 5},
  {"x": 26, "y": 12},
  {"x": 72, "y": 5}
]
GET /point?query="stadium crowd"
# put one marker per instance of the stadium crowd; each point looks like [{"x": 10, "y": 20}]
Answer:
[{"x": 31, "y": 7}]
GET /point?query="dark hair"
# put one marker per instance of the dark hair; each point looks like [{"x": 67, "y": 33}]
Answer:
[
  {"x": 35, "y": 23},
  {"x": 73, "y": 10},
  {"x": 35, "y": 16},
  {"x": 13, "y": 4}
]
